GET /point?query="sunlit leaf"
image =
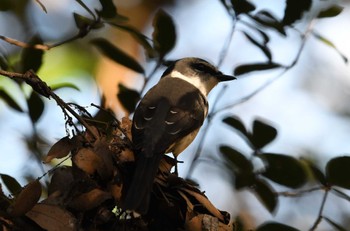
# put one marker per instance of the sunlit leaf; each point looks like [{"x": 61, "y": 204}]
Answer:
[
  {"x": 338, "y": 171},
  {"x": 266, "y": 195},
  {"x": 108, "y": 9},
  {"x": 330, "y": 44},
  {"x": 262, "y": 47},
  {"x": 283, "y": 169},
  {"x": 334, "y": 224},
  {"x": 26, "y": 199},
  {"x": 35, "y": 106},
  {"x": 263, "y": 134},
  {"x": 31, "y": 59},
  {"x": 294, "y": 10},
  {"x": 236, "y": 123},
  {"x": 11, "y": 184},
  {"x": 274, "y": 226},
  {"x": 242, "y": 6},
  {"x": 117, "y": 55},
  {"x": 331, "y": 11},
  {"x": 238, "y": 160},
  {"x": 164, "y": 34},
  {"x": 9, "y": 101},
  {"x": 128, "y": 97},
  {"x": 247, "y": 68}
]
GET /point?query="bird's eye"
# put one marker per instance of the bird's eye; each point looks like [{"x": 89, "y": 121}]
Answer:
[{"x": 201, "y": 67}]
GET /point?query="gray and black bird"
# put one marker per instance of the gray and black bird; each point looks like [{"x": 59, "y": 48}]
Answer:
[{"x": 166, "y": 120}]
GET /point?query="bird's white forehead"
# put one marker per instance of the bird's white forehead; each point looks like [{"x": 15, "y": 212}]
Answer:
[{"x": 194, "y": 79}]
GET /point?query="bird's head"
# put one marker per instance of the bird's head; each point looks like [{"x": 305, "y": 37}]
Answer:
[{"x": 197, "y": 72}]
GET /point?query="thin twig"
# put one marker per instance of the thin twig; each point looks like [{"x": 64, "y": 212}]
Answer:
[
  {"x": 320, "y": 212},
  {"x": 299, "y": 193}
]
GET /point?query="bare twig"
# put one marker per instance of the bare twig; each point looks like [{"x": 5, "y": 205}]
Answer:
[
  {"x": 320, "y": 212},
  {"x": 299, "y": 193}
]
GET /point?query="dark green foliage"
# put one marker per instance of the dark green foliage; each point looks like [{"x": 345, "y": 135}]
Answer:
[
  {"x": 283, "y": 169},
  {"x": 11, "y": 184},
  {"x": 237, "y": 160},
  {"x": 35, "y": 106},
  {"x": 236, "y": 123},
  {"x": 330, "y": 12},
  {"x": 242, "y": 6},
  {"x": 262, "y": 134},
  {"x": 9, "y": 101},
  {"x": 164, "y": 34},
  {"x": 266, "y": 51},
  {"x": 128, "y": 97},
  {"x": 274, "y": 226},
  {"x": 294, "y": 10},
  {"x": 117, "y": 55},
  {"x": 247, "y": 68},
  {"x": 265, "y": 194},
  {"x": 108, "y": 9},
  {"x": 338, "y": 171},
  {"x": 31, "y": 59}
]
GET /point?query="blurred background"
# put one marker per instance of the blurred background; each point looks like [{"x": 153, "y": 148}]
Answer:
[{"x": 308, "y": 104}]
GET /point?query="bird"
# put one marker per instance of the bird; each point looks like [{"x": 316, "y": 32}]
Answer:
[{"x": 167, "y": 119}]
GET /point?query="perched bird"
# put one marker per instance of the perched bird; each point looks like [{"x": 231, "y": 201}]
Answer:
[{"x": 167, "y": 120}]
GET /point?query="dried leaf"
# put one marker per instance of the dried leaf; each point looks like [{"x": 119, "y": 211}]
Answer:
[
  {"x": 53, "y": 218},
  {"x": 61, "y": 180},
  {"x": 87, "y": 160},
  {"x": 11, "y": 184},
  {"x": 60, "y": 149},
  {"x": 89, "y": 200},
  {"x": 26, "y": 199}
]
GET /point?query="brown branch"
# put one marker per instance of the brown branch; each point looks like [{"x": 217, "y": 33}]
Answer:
[{"x": 43, "y": 89}]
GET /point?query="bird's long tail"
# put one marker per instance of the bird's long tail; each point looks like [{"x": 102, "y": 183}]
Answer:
[{"x": 139, "y": 192}]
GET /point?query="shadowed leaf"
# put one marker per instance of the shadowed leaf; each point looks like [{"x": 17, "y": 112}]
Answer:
[
  {"x": 236, "y": 123},
  {"x": 283, "y": 169},
  {"x": 338, "y": 171},
  {"x": 263, "y": 48},
  {"x": 294, "y": 10},
  {"x": 3, "y": 63},
  {"x": 6, "y": 5},
  {"x": 26, "y": 199},
  {"x": 274, "y": 226},
  {"x": 11, "y": 184},
  {"x": 262, "y": 134},
  {"x": 245, "y": 179},
  {"x": 117, "y": 55},
  {"x": 266, "y": 195},
  {"x": 316, "y": 172},
  {"x": 36, "y": 106},
  {"x": 242, "y": 6},
  {"x": 81, "y": 21},
  {"x": 246, "y": 68},
  {"x": 9, "y": 101},
  {"x": 128, "y": 97},
  {"x": 330, "y": 12},
  {"x": 31, "y": 59},
  {"x": 267, "y": 19},
  {"x": 61, "y": 149},
  {"x": 164, "y": 34},
  {"x": 238, "y": 160},
  {"x": 108, "y": 9},
  {"x": 49, "y": 216},
  {"x": 89, "y": 200}
]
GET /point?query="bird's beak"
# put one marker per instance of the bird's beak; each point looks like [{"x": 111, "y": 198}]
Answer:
[{"x": 221, "y": 77}]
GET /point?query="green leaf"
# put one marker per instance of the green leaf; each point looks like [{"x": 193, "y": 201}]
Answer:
[
  {"x": 36, "y": 106},
  {"x": 117, "y": 55},
  {"x": 266, "y": 194},
  {"x": 267, "y": 19},
  {"x": 11, "y": 184},
  {"x": 242, "y": 6},
  {"x": 164, "y": 34},
  {"x": 245, "y": 179},
  {"x": 330, "y": 44},
  {"x": 330, "y": 12},
  {"x": 238, "y": 161},
  {"x": 283, "y": 169},
  {"x": 334, "y": 225},
  {"x": 236, "y": 123},
  {"x": 139, "y": 37},
  {"x": 9, "y": 101},
  {"x": 3, "y": 63},
  {"x": 274, "y": 226},
  {"x": 128, "y": 97},
  {"x": 294, "y": 10},
  {"x": 58, "y": 86},
  {"x": 338, "y": 171},
  {"x": 6, "y": 5},
  {"x": 262, "y": 134},
  {"x": 263, "y": 48},
  {"x": 108, "y": 9},
  {"x": 246, "y": 68},
  {"x": 31, "y": 59}
]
